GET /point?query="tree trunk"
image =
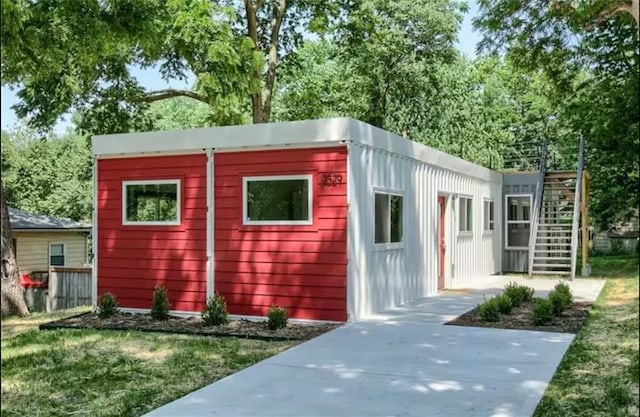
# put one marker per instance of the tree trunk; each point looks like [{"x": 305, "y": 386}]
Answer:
[{"x": 12, "y": 301}]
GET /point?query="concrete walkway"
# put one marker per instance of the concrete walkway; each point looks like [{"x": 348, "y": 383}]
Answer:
[{"x": 400, "y": 363}]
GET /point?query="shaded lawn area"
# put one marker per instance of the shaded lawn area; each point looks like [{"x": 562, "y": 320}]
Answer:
[
  {"x": 599, "y": 374},
  {"x": 112, "y": 373}
]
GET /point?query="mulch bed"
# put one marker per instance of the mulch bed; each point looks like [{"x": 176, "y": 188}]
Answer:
[
  {"x": 569, "y": 321},
  {"x": 193, "y": 325}
]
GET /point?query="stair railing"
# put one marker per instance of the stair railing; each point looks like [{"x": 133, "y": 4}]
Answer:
[
  {"x": 576, "y": 209},
  {"x": 537, "y": 205}
]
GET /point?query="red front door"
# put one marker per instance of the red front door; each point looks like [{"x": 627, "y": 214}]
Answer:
[{"x": 441, "y": 241}]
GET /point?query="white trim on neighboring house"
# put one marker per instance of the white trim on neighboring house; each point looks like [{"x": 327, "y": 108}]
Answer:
[
  {"x": 485, "y": 213},
  {"x": 507, "y": 221},
  {"x": 64, "y": 253},
  {"x": 388, "y": 192},
  {"x": 126, "y": 222},
  {"x": 310, "y": 190},
  {"x": 210, "y": 214}
]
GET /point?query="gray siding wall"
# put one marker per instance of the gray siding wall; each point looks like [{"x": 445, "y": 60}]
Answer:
[
  {"x": 382, "y": 277},
  {"x": 514, "y": 260}
]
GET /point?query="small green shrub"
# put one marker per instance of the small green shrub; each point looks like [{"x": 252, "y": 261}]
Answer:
[
  {"x": 277, "y": 318},
  {"x": 504, "y": 304},
  {"x": 489, "y": 310},
  {"x": 107, "y": 305},
  {"x": 215, "y": 312},
  {"x": 542, "y": 313},
  {"x": 518, "y": 293},
  {"x": 560, "y": 300},
  {"x": 527, "y": 293},
  {"x": 160, "y": 304}
]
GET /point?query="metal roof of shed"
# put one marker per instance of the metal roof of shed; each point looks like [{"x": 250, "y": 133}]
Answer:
[{"x": 24, "y": 221}]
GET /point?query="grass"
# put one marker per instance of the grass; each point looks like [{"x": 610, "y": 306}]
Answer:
[
  {"x": 111, "y": 373},
  {"x": 598, "y": 375},
  {"x": 13, "y": 326}
]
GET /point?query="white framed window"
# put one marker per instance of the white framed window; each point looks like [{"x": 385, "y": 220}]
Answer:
[
  {"x": 488, "y": 215},
  {"x": 388, "y": 218},
  {"x": 151, "y": 202},
  {"x": 277, "y": 200},
  {"x": 56, "y": 254},
  {"x": 465, "y": 214},
  {"x": 517, "y": 220}
]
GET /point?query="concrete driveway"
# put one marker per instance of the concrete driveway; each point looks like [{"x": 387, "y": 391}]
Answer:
[{"x": 400, "y": 363}]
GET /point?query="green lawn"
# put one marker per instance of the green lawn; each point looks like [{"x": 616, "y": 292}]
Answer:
[
  {"x": 111, "y": 373},
  {"x": 599, "y": 373}
]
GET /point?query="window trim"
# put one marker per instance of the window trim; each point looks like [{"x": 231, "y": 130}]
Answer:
[
  {"x": 176, "y": 222},
  {"x": 465, "y": 233},
  {"x": 388, "y": 245},
  {"x": 310, "y": 191},
  {"x": 507, "y": 221},
  {"x": 64, "y": 254},
  {"x": 484, "y": 213}
]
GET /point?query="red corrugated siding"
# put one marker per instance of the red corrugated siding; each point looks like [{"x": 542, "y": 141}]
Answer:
[
  {"x": 133, "y": 259},
  {"x": 302, "y": 268}
]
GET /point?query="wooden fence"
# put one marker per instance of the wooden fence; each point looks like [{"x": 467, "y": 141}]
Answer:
[{"x": 67, "y": 288}]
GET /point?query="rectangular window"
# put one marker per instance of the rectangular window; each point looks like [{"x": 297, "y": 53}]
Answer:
[
  {"x": 518, "y": 221},
  {"x": 278, "y": 200},
  {"x": 155, "y": 202},
  {"x": 489, "y": 219},
  {"x": 388, "y": 218},
  {"x": 56, "y": 254},
  {"x": 465, "y": 216}
]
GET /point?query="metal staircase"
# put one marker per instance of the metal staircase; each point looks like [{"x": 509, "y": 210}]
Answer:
[{"x": 553, "y": 245}]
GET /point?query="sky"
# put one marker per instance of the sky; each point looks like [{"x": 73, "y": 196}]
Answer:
[{"x": 150, "y": 78}]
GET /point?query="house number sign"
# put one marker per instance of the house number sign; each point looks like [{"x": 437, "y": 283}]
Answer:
[{"x": 330, "y": 179}]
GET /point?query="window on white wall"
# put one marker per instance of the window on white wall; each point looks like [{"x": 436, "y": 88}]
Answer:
[
  {"x": 465, "y": 216},
  {"x": 154, "y": 202},
  {"x": 388, "y": 218},
  {"x": 488, "y": 214},
  {"x": 278, "y": 200},
  {"x": 518, "y": 221},
  {"x": 56, "y": 254}
]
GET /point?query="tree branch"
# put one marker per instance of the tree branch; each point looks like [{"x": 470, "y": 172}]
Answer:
[
  {"x": 615, "y": 8},
  {"x": 158, "y": 95}
]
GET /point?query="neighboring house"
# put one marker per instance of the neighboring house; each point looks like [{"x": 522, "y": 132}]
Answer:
[
  {"x": 43, "y": 241},
  {"x": 332, "y": 219}
]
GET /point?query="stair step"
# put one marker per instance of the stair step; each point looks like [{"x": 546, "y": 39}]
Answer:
[
  {"x": 553, "y": 245},
  {"x": 551, "y": 258},
  {"x": 552, "y": 272},
  {"x": 563, "y": 225},
  {"x": 552, "y": 265},
  {"x": 560, "y": 231},
  {"x": 553, "y": 238},
  {"x": 565, "y": 175},
  {"x": 551, "y": 251}
]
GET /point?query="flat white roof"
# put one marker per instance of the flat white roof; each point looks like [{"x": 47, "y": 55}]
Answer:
[{"x": 283, "y": 134}]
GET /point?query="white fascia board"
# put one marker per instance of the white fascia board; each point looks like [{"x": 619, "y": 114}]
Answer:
[
  {"x": 282, "y": 134},
  {"x": 258, "y": 136}
]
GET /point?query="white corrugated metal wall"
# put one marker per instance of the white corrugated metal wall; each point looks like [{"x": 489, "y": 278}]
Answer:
[{"x": 382, "y": 277}]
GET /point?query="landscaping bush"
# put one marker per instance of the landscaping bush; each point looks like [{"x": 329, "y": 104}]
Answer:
[
  {"x": 518, "y": 293},
  {"x": 560, "y": 298},
  {"x": 160, "y": 304},
  {"x": 504, "y": 304},
  {"x": 107, "y": 305},
  {"x": 542, "y": 313},
  {"x": 215, "y": 312},
  {"x": 489, "y": 310},
  {"x": 277, "y": 318}
]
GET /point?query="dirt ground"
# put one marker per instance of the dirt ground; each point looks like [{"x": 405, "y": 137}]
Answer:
[
  {"x": 569, "y": 321},
  {"x": 192, "y": 325}
]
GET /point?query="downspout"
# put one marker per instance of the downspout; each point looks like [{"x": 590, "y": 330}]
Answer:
[{"x": 537, "y": 206}]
